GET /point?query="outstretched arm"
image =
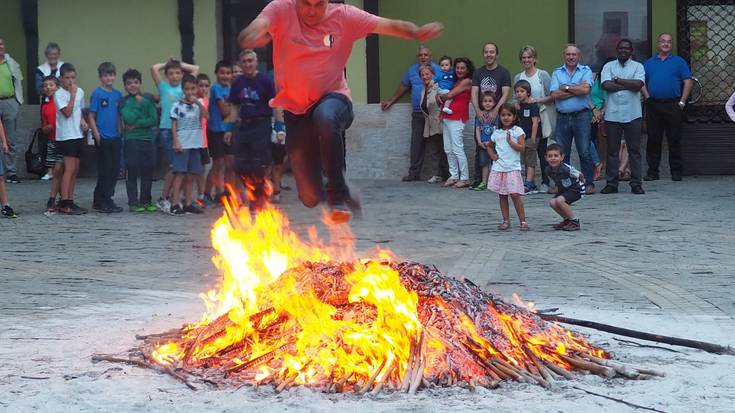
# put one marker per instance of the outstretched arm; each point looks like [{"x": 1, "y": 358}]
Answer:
[
  {"x": 408, "y": 30},
  {"x": 256, "y": 34}
]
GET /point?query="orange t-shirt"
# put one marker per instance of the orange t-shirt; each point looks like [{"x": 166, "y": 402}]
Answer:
[{"x": 309, "y": 61}]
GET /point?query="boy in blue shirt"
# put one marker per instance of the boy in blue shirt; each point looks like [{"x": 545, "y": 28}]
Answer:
[
  {"x": 169, "y": 92},
  {"x": 445, "y": 80},
  {"x": 219, "y": 150},
  {"x": 105, "y": 124}
]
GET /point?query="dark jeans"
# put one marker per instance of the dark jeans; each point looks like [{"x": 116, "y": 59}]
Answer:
[
  {"x": 108, "y": 167},
  {"x": 541, "y": 149},
  {"x": 576, "y": 126},
  {"x": 418, "y": 149},
  {"x": 632, "y": 133},
  {"x": 663, "y": 116},
  {"x": 315, "y": 147},
  {"x": 140, "y": 160},
  {"x": 253, "y": 155}
]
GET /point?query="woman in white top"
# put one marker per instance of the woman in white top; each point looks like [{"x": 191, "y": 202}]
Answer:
[
  {"x": 540, "y": 94},
  {"x": 50, "y": 67}
]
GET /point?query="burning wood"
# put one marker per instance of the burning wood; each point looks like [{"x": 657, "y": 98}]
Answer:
[{"x": 292, "y": 313}]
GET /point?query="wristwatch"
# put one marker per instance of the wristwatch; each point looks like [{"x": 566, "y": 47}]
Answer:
[
  {"x": 566, "y": 88},
  {"x": 615, "y": 79},
  {"x": 682, "y": 104}
]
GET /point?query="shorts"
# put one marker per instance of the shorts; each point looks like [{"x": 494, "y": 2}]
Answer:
[
  {"x": 570, "y": 196},
  {"x": 483, "y": 158},
  {"x": 204, "y": 156},
  {"x": 530, "y": 155},
  {"x": 52, "y": 155},
  {"x": 278, "y": 151},
  {"x": 188, "y": 161},
  {"x": 71, "y": 148},
  {"x": 217, "y": 146},
  {"x": 167, "y": 143}
]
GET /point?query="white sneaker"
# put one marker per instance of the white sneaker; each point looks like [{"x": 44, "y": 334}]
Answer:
[
  {"x": 434, "y": 179},
  {"x": 543, "y": 188},
  {"x": 448, "y": 111},
  {"x": 164, "y": 205},
  {"x": 47, "y": 177}
]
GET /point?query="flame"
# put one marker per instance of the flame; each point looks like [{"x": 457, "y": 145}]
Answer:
[{"x": 267, "y": 321}]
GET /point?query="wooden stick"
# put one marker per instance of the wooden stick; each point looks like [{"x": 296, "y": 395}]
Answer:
[
  {"x": 674, "y": 341},
  {"x": 417, "y": 378},
  {"x": 144, "y": 364},
  {"x": 409, "y": 367},
  {"x": 558, "y": 370},
  {"x": 370, "y": 382},
  {"x": 588, "y": 365},
  {"x": 637, "y": 406},
  {"x": 263, "y": 358},
  {"x": 381, "y": 382},
  {"x": 624, "y": 369}
]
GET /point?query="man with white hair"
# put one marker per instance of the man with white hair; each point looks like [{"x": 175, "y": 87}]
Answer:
[
  {"x": 570, "y": 87},
  {"x": 312, "y": 40}
]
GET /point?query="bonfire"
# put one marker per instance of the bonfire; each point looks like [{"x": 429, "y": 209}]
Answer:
[{"x": 301, "y": 312}]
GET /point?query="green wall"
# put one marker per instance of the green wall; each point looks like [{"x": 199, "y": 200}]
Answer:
[
  {"x": 357, "y": 66},
  {"x": 11, "y": 30},
  {"x": 469, "y": 23},
  {"x": 130, "y": 34}
]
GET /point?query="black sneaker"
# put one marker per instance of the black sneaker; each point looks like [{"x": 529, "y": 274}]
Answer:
[
  {"x": 115, "y": 208},
  {"x": 650, "y": 177},
  {"x": 676, "y": 176},
  {"x": 70, "y": 208},
  {"x": 12, "y": 179},
  {"x": 609, "y": 189},
  {"x": 176, "y": 210},
  {"x": 637, "y": 189},
  {"x": 8, "y": 212},
  {"x": 191, "y": 209}
]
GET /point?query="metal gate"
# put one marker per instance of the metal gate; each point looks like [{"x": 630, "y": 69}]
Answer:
[{"x": 706, "y": 40}]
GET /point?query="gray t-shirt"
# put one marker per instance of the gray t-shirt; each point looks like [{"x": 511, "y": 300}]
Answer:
[
  {"x": 491, "y": 80},
  {"x": 188, "y": 119}
]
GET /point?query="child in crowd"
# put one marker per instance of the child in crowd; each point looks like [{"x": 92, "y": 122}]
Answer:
[
  {"x": 529, "y": 121},
  {"x": 169, "y": 92},
  {"x": 104, "y": 120},
  {"x": 5, "y": 208},
  {"x": 570, "y": 188},
  {"x": 54, "y": 160},
  {"x": 188, "y": 138},
  {"x": 70, "y": 129},
  {"x": 203, "y": 87},
  {"x": 483, "y": 132},
  {"x": 445, "y": 80},
  {"x": 278, "y": 150},
  {"x": 219, "y": 125},
  {"x": 139, "y": 116},
  {"x": 505, "y": 148}
]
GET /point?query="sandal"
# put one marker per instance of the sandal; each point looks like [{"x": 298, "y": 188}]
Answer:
[
  {"x": 450, "y": 182},
  {"x": 461, "y": 184},
  {"x": 504, "y": 226},
  {"x": 524, "y": 226}
]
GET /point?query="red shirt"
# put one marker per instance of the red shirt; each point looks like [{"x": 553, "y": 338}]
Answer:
[
  {"x": 309, "y": 61},
  {"x": 460, "y": 107},
  {"x": 48, "y": 117}
]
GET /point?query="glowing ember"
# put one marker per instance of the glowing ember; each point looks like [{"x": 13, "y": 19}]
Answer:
[{"x": 290, "y": 312}]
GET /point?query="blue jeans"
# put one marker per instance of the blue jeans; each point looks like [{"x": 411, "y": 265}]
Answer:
[
  {"x": 315, "y": 147},
  {"x": 576, "y": 126}
]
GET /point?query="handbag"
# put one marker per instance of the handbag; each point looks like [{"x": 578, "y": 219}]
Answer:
[
  {"x": 35, "y": 159},
  {"x": 547, "y": 115}
]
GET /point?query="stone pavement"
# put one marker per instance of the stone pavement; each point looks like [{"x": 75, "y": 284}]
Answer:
[{"x": 665, "y": 254}]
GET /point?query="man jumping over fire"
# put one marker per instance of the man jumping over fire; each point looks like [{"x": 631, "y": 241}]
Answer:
[{"x": 312, "y": 40}]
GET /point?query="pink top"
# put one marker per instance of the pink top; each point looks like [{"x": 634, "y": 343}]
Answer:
[{"x": 309, "y": 62}]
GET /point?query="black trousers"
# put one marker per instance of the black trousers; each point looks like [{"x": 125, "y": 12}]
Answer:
[
  {"x": 632, "y": 133},
  {"x": 664, "y": 116},
  {"x": 108, "y": 168}
]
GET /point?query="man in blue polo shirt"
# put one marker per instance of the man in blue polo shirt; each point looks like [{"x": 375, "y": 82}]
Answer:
[
  {"x": 668, "y": 84},
  {"x": 412, "y": 81},
  {"x": 570, "y": 87}
]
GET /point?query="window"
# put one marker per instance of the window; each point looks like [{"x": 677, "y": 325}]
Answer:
[{"x": 597, "y": 26}]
